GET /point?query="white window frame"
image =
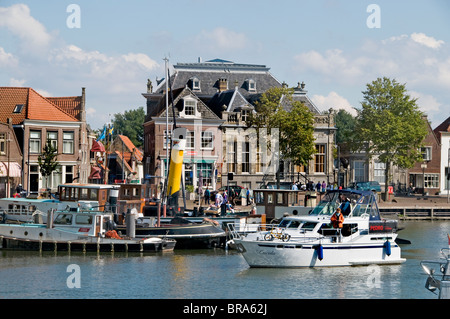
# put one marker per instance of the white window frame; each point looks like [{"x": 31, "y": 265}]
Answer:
[
  {"x": 52, "y": 139},
  {"x": 68, "y": 142},
  {"x": 207, "y": 142},
  {"x": 426, "y": 153},
  {"x": 190, "y": 140},
  {"x": 35, "y": 141}
]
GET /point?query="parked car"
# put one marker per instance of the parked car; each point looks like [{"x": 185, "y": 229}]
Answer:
[{"x": 366, "y": 186}]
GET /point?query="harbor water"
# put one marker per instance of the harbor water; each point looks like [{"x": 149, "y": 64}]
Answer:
[{"x": 215, "y": 274}]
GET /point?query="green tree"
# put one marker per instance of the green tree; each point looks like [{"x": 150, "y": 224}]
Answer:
[
  {"x": 47, "y": 161},
  {"x": 390, "y": 125},
  {"x": 277, "y": 110},
  {"x": 345, "y": 124},
  {"x": 131, "y": 124}
]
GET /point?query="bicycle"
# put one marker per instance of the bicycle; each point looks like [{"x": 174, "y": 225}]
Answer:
[{"x": 278, "y": 234}]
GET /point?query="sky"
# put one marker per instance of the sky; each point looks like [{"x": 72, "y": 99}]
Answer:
[{"x": 336, "y": 47}]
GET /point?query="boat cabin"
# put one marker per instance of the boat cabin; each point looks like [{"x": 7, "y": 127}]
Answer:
[
  {"x": 27, "y": 209},
  {"x": 97, "y": 195},
  {"x": 274, "y": 203},
  {"x": 87, "y": 223},
  {"x": 353, "y": 203},
  {"x": 360, "y": 212}
]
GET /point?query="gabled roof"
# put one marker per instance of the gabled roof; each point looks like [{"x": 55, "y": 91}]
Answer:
[
  {"x": 443, "y": 127},
  {"x": 179, "y": 94},
  {"x": 69, "y": 104},
  {"x": 34, "y": 106},
  {"x": 130, "y": 147},
  {"x": 230, "y": 101}
]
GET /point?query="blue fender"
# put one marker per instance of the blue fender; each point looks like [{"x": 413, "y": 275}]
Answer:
[
  {"x": 387, "y": 247},
  {"x": 319, "y": 250}
]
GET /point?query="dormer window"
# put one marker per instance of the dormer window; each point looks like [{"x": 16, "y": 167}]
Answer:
[
  {"x": 189, "y": 107},
  {"x": 251, "y": 85},
  {"x": 195, "y": 84}
]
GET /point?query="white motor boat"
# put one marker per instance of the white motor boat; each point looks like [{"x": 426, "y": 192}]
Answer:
[
  {"x": 78, "y": 230},
  {"x": 311, "y": 241}
]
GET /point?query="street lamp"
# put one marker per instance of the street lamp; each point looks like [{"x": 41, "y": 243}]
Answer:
[{"x": 423, "y": 166}]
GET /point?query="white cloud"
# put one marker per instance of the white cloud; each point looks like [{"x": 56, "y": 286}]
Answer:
[
  {"x": 141, "y": 59},
  {"x": 220, "y": 39},
  {"x": 16, "y": 82},
  {"x": 426, "y": 40},
  {"x": 18, "y": 21},
  {"x": 333, "y": 100},
  {"x": 7, "y": 59}
]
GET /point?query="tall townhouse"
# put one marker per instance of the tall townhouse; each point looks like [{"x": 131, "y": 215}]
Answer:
[{"x": 35, "y": 120}]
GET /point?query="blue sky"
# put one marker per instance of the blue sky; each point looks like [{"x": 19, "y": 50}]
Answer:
[{"x": 327, "y": 44}]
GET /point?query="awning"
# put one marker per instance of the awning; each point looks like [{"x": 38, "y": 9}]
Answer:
[
  {"x": 14, "y": 169},
  {"x": 95, "y": 173},
  {"x": 97, "y": 146}
]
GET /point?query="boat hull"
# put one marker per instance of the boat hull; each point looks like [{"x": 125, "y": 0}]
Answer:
[
  {"x": 40, "y": 238},
  {"x": 187, "y": 236},
  {"x": 280, "y": 254}
]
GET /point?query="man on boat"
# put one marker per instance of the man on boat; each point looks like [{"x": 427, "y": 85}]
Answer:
[{"x": 337, "y": 219}]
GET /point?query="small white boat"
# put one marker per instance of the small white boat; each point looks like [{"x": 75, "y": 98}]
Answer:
[
  {"x": 311, "y": 241},
  {"x": 77, "y": 231},
  {"x": 442, "y": 284}
]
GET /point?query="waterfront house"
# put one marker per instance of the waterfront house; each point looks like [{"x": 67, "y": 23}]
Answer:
[
  {"x": 35, "y": 120},
  {"x": 228, "y": 91},
  {"x": 10, "y": 160},
  {"x": 442, "y": 132}
]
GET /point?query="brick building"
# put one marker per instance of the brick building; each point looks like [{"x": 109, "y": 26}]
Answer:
[{"x": 35, "y": 120}]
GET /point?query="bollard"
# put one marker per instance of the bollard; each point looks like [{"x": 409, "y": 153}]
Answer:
[{"x": 130, "y": 220}]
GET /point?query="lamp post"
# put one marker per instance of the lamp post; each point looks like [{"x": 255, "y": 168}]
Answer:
[{"x": 423, "y": 166}]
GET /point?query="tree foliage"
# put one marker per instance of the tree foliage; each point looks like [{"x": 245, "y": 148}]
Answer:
[
  {"x": 345, "y": 124},
  {"x": 390, "y": 125},
  {"x": 277, "y": 110},
  {"x": 130, "y": 124},
  {"x": 47, "y": 160}
]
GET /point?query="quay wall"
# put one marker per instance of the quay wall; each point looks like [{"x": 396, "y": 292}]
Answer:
[{"x": 407, "y": 213}]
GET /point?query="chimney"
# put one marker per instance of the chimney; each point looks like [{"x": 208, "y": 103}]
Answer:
[
  {"x": 83, "y": 105},
  {"x": 223, "y": 85}
]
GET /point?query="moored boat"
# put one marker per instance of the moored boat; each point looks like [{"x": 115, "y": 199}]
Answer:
[
  {"x": 443, "y": 264},
  {"x": 77, "y": 230},
  {"x": 311, "y": 241},
  {"x": 187, "y": 234},
  {"x": 71, "y": 196}
]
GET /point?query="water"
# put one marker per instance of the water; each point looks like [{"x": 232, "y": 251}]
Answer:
[{"x": 216, "y": 274}]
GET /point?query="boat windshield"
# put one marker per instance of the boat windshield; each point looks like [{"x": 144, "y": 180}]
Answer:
[
  {"x": 288, "y": 223},
  {"x": 351, "y": 203}
]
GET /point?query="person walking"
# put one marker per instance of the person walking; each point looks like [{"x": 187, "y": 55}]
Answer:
[{"x": 207, "y": 196}]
